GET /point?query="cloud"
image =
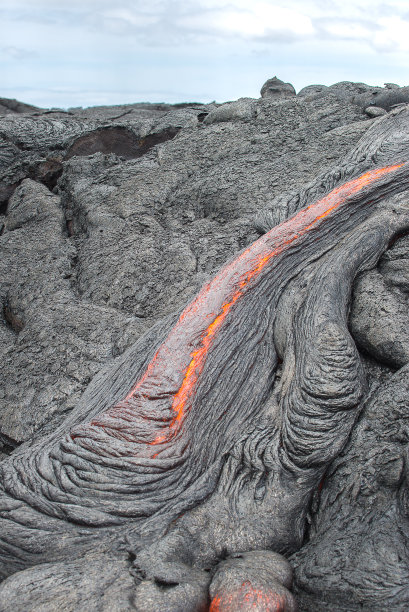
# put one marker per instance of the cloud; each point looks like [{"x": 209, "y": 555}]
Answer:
[
  {"x": 180, "y": 22},
  {"x": 17, "y": 53},
  {"x": 258, "y": 21},
  {"x": 168, "y": 22},
  {"x": 194, "y": 22},
  {"x": 384, "y": 32},
  {"x": 393, "y": 35},
  {"x": 342, "y": 28}
]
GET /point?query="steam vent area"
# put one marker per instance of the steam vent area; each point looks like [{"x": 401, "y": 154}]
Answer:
[{"x": 204, "y": 348}]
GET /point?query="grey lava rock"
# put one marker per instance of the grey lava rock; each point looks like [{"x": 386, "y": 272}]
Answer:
[
  {"x": 375, "y": 111},
  {"x": 241, "y": 109},
  {"x": 123, "y": 487},
  {"x": 312, "y": 90},
  {"x": 275, "y": 88},
  {"x": 357, "y": 554},
  {"x": 8, "y": 106}
]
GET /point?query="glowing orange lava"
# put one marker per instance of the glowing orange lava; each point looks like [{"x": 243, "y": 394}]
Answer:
[{"x": 247, "y": 597}]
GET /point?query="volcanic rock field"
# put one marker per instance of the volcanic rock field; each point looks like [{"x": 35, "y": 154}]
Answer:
[{"x": 245, "y": 449}]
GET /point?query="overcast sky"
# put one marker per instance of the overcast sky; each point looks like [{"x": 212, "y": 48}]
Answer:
[{"x": 66, "y": 53}]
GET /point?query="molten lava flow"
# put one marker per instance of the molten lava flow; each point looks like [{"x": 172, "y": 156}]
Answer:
[
  {"x": 164, "y": 393},
  {"x": 247, "y": 597},
  {"x": 198, "y": 357}
]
